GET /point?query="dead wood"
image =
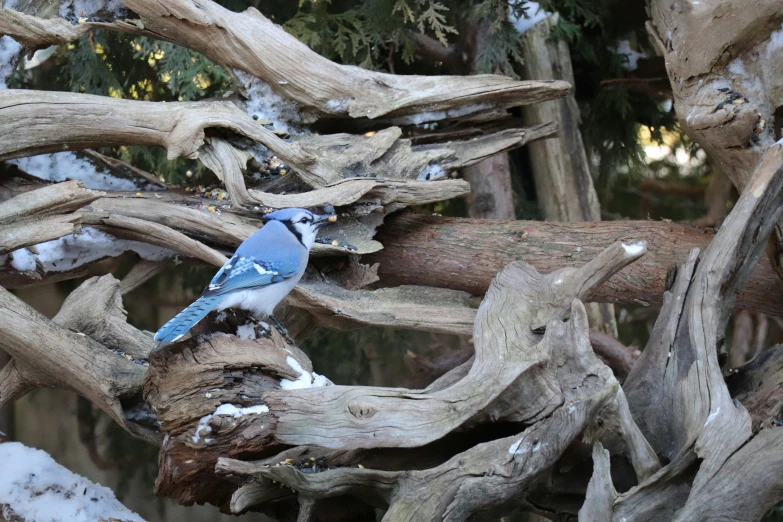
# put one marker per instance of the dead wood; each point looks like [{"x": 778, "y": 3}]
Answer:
[
  {"x": 41, "y": 215},
  {"x": 48, "y": 353},
  {"x": 250, "y": 42},
  {"x": 411, "y": 307},
  {"x": 32, "y": 232},
  {"x": 127, "y": 227},
  {"x": 465, "y": 254},
  {"x": 320, "y": 87},
  {"x": 180, "y": 128},
  {"x": 725, "y": 102},
  {"x": 350, "y": 417},
  {"x": 560, "y": 168},
  {"x": 48, "y": 200},
  {"x": 616, "y": 355},
  {"x": 677, "y": 390},
  {"x": 244, "y": 420}
]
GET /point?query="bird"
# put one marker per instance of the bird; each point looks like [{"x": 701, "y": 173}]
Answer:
[{"x": 264, "y": 269}]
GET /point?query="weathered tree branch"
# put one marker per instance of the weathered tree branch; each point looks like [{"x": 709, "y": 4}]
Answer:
[
  {"x": 42, "y": 215},
  {"x": 250, "y": 42},
  {"x": 48, "y": 353},
  {"x": 677, "y": 388},
  {"x": 464, "y": 254},
  {"x": 351, "y": 417}
]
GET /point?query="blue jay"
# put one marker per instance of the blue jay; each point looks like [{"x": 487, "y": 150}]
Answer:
[{"x": 264, "y": 269}]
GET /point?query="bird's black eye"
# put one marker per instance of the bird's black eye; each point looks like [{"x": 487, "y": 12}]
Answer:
[{"x": 305, "y": 220}]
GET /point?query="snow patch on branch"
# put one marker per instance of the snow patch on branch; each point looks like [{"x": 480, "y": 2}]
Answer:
[
  {"x": 424, "y": 117},
  {"x": 39, "y": 57},
  {"x": 62, "y": 166},
  {"x": 431, "y": 173},
  {"x": 712, "y": 416},
  {"x": 89, "y": 8},
  {"x": 623, "y": 48},
  {"x": 88, "y": 245},
  {"x": 264, "y": 103},
  {"x": 10, "y": 50},
  {"x": 532, "y": 15},
  {"x": 37, "y": 489},
  {"x": 225, "y": 410},
  {"x": 305, "y": 380},
  {"x": 247, "y": 331},
  {"x": 775, "y": 42},
  {"x": 751, "y": 83},
  {"x": 634, "y": 249}
]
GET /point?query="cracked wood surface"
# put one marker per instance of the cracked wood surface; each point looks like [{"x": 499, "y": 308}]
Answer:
[{"x": 677, "y": 389}]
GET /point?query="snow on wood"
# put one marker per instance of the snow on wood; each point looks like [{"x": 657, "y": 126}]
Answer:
[
  {"x": 265, "y": 104},
  {"x": 89, "y": 8},
  {"x": 9, "y": 55},
  {"x": 89, "y": 245},
  {"x": 62, "y": 166},
  {"x": 35, "y": 488},
  {"x": 305, "y": 380}
]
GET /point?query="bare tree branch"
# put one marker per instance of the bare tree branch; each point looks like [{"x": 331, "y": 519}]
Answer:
[
  {"x": 618, "y": 357},
  {"x": 250, "y": 42}
]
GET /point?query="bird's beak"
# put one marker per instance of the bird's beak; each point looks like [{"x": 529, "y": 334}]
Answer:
[{"x": 322, "y": 221}]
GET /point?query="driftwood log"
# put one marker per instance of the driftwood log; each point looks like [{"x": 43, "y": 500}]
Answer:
[{"x": 537, "y": 420}]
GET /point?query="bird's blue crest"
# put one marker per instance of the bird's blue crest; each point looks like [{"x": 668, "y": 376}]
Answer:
[{"x": 285, "y": 214}]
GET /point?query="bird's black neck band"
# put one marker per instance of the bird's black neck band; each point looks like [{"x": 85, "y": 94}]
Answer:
[{"x": 294, "y": 231}]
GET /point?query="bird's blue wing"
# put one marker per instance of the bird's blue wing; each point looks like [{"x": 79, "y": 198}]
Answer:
[{"x": 244, "y": 272}]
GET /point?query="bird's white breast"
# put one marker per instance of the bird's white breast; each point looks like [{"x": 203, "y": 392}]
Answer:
[{"x": 260, "y": 301}]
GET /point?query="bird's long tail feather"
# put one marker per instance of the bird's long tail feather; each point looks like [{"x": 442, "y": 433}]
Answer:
[{"x": 186, "y": 319}]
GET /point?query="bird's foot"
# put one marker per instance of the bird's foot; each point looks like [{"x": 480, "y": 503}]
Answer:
[
  {"x": 281, "y": 329},
  {"x": 258, "y": 322}
]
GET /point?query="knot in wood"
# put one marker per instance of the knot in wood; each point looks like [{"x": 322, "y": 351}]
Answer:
[{"x": 361, "y": 410}]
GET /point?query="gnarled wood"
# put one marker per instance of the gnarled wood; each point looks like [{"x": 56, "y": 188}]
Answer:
[
  {"x": 689, "y": 415},
  {"x": 60, "y": 198},
  {"x": 47, "y": 354},
  {"x": 250, "y": 42},
  {"x": 350, "y": 417}
]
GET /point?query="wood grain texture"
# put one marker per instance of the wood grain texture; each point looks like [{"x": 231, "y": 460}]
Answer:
[
  {"x": 464, "y": 254},
  {"x": 250, "y": 42},
  {"x": 58, "y": 357}
]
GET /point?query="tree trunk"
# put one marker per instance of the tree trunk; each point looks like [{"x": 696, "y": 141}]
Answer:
[
  {"x": 564, "y": 185},
  {"x": 491, "y": 191},
  {"x": 491, "y": 195}
]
